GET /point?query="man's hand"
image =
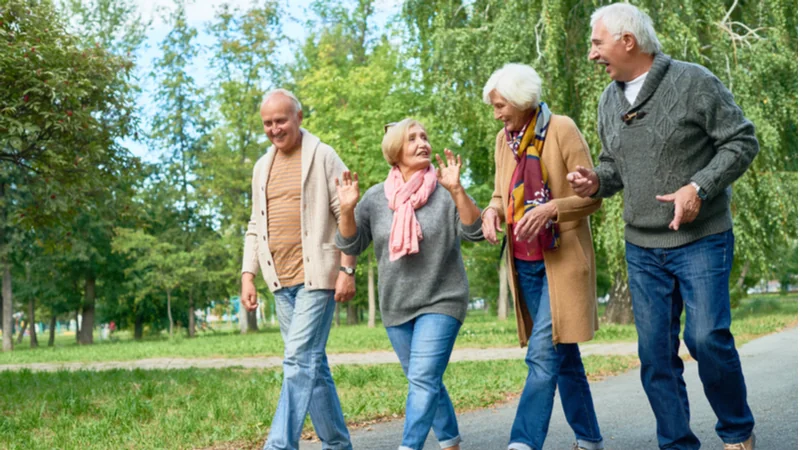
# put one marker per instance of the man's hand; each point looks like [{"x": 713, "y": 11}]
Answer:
[
  {"x": 534, "y": 221},
  {"x": 687, "y": 205},
  {"x": 249, "y": 297},
  {"x": 583, "y": 181},
  {"x": 345, "y": 287},
  {"x": 491, "y": 225}
]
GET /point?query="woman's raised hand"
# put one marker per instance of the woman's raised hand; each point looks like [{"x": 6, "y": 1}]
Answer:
[
  {"x": 449, "y": 175},
  {"x": 347, "y": 190}
]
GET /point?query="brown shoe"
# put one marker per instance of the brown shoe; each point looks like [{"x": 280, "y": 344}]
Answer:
[{"x": 749, "y": 444}]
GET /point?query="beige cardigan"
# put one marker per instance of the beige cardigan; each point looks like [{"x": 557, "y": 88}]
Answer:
[
  {"x": 318, "y": 220},
  {"x": 570, "y": 269}
]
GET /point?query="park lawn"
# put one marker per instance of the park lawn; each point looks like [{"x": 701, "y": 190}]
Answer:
[
  {"x": 198, "y": 408},
  {"x": 756, "y": 316}
]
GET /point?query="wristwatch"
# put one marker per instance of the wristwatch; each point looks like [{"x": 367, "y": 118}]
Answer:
[
  {"x": 348, "y": 270},
  {"x": 700, "y": 192}
]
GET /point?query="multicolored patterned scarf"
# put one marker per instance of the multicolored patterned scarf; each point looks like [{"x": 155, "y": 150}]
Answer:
[{"x": 529, "y": 187}]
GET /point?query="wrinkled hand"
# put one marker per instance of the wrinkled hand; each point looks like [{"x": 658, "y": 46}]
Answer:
[
  {"x": 249, "y": 298},
  {"x": 584, "y": 181},
  {"x": 687, "y": 205},
  {"x": 534, "y": 221},
  {"x": 449, "y": 175},
  {"x": 491, "y": 225},
  {"x": 345, "y": 287},
  {"x": 347, "y": 190}
]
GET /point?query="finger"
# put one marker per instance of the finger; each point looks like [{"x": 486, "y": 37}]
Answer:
[
  {"x": 676, "y": 220},
  {"x": 439, "y": 161},
  {"x": 666, "y": 198},
  {"x": 336, "y": 181},
  {"x": 451, "y": 160},
  {"x": 458, "y": 161},
  {"x": 355, "y": 179},
  {"x": 497, "y": 223}
]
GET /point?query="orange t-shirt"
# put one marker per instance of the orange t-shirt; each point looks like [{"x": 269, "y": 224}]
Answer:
[{"x": 283, "y": 217}]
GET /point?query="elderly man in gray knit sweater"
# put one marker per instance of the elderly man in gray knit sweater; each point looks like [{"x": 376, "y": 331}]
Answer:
[{"x": 674, "y": 139}]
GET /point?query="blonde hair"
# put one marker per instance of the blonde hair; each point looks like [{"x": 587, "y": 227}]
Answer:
[{"x": 395, "y": 138}]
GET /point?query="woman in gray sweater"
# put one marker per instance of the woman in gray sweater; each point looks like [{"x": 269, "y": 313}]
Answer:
[{"x": 416, "y": 219}]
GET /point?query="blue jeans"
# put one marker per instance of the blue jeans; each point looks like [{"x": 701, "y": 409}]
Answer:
[
  {"x": 662, "y": 282},
  {"x": 305, "y": 318},
  {"x": 549, "y": 366},
  {"x": 423, "y": 345}
]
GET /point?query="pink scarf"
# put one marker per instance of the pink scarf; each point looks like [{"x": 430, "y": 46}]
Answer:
[{"x": 404, "y": 197}]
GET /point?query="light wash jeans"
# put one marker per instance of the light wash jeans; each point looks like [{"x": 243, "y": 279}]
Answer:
[
  {"x": 423, "y": 345},
  {"x": 305, "y": 318},
  {"x": 662, "y": 282},
  {"x": 550, "y": 366}
]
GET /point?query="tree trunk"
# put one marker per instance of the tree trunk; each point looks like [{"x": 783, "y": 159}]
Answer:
[
  {"x": 336, "y": 312},
  {"x": 51, "y": 341},
  {"x": 191, "y": 316},
  {"x": 371, "y": 291},
  {"x": 252, "y": 320},
  {"x": 502, "y": 295},
  {"x": 743, "y": 275},
  {"x": 138, "y": 327},
  {"x": 620, "y": 307},
  {"x": 8, "y": 305},
  {"x": 242, "y": 318},
  {"x": 32, "y": 319},
  {"x": 31, "y": 308},
  {"x": 87, "y": 316},
  {"x": 169, "y": 311},
  {"x": 22, "y": 332},
  {"x": 352, "y": 319},
  {"x": 78, "y": 326},
  {"x": 8, "y": 308}
]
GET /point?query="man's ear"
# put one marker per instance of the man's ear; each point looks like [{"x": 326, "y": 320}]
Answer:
[
  {"x": 300, "y": 116},
  {"x": 629, "y": 41}
]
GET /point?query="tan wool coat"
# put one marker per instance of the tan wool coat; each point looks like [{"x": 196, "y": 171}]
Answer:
[
  {"x": 570, "y": 269},
  {"x": 318, "y": 219}
]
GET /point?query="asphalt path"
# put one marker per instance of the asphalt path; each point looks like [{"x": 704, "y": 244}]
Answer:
[{"x": 626, "y": 421}]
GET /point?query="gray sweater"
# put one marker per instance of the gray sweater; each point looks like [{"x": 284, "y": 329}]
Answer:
[
  {"x": 431, "y": 281},
  {"x": 687, "y": 128}
]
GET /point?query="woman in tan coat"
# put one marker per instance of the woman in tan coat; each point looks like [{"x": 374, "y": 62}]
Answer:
[{"x": 550, "y": 254}]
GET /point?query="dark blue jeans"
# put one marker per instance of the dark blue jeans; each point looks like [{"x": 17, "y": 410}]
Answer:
[
  {"x": 549, "y": 366},
  {"x": 662, "y": 282}
]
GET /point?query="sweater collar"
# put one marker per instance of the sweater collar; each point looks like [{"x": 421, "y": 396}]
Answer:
[{"x": 657, "y": 73}]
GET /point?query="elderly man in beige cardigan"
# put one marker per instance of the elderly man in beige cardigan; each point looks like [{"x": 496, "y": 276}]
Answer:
[{"x": 293, "y": 184}]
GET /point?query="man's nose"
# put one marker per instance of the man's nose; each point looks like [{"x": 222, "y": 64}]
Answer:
[{"x": 593, "y": 55}]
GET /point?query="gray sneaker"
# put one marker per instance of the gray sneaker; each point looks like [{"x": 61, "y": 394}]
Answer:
[{"x": 749, "y": 444}]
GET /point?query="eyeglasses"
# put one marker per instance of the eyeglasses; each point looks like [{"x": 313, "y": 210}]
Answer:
[{"x": 387, "y": 126}]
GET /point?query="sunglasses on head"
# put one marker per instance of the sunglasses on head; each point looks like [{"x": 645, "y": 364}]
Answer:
[{"x": 387, "y": 126}]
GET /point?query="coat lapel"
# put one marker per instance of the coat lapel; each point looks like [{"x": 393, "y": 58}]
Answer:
[{"x": 310, "y": 143}]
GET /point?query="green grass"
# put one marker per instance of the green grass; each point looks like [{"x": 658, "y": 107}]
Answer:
[
  {"x": 198, "y": 408},
  {"x": 755, "y": 316}
]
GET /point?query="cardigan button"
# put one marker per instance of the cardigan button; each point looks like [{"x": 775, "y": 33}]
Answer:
[
  {"x": 276, "y": 284},
  {"x": 265, "y": 238},
  {"x": 262, "y": 213}
]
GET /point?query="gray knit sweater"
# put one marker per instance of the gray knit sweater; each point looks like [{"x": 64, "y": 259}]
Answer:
[
  {"x": 687, "y": 128},
  {"x": 431, "y": 281}
]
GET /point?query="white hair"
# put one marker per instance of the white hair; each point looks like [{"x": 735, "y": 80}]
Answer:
[
  {"x": 519, "y": 84},
  {"x": 621, "y": 18},
  {"x": 297, "y": 106}
]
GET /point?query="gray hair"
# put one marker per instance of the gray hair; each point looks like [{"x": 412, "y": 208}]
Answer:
[
  {"x": 519, "y": 84},
  {"x": 297, "y": 106},
  {"x": 621, "y": 18}
]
